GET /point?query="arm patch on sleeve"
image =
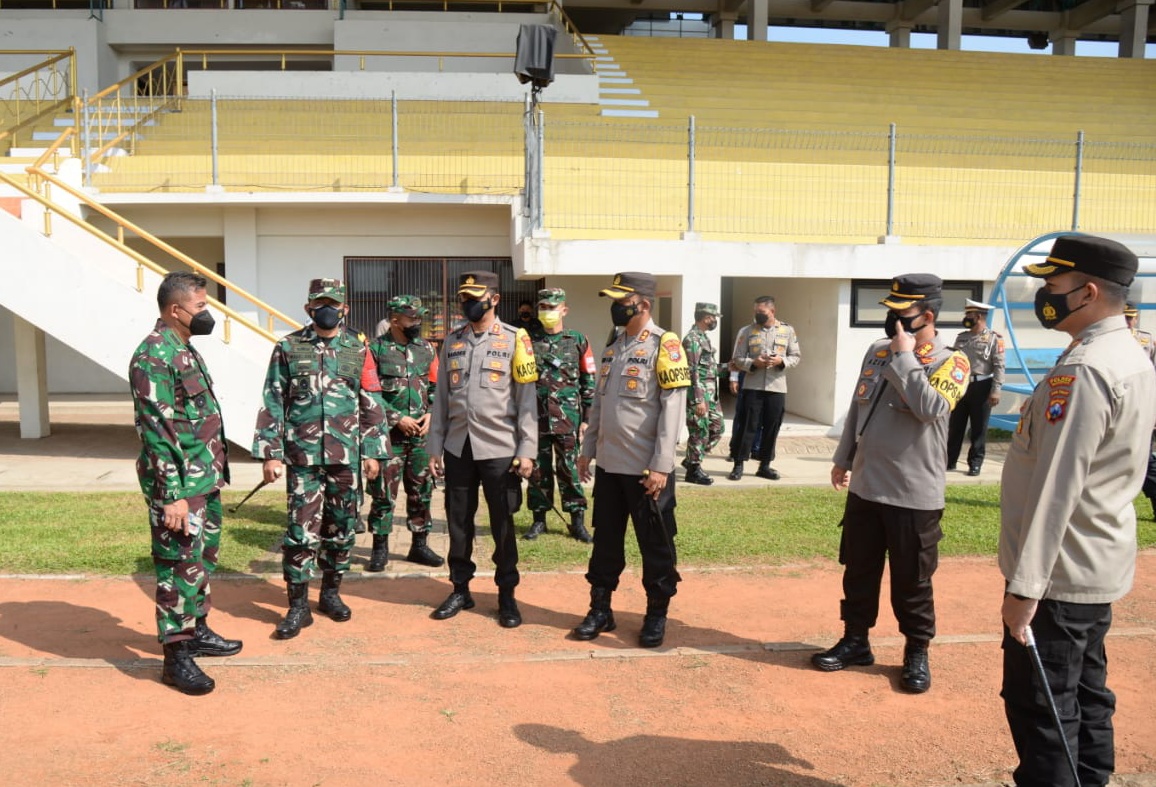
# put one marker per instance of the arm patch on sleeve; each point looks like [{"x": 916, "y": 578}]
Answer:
[
  {"x": 950, "y": 379},
  {"x": 671, "y": 366},
  {"x": 525, "y": 368}
]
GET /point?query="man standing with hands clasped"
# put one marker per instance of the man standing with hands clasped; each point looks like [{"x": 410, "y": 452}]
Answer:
[
  {"x": 984, "y": 350},
  {"x": 639, "y": 404},
  {"x": 1068, "y": 527},
  {"x": 484, "y": 431},
  {"x": 890, "y": 457}
]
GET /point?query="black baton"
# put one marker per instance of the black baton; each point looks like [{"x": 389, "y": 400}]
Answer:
[
  {"x": 244, "y": 500},
  {"x": 1043, "y": 678}
]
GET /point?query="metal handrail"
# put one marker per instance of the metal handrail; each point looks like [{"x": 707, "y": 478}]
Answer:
[
  {"x": 284, "y": 54},
  {"x": 47, "y": 180},
  {"x": 58, "y": 55}
]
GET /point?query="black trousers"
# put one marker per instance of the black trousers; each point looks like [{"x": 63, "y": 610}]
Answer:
[
  {"x": 620, "y": 497},
  {"x": 974, "y": 408},
  {"x": 503, "y": 493},
  {"x": 763, "y": 410},
  {"x": 909, "y": 539},
  {"x": 1070, "y": 638}
]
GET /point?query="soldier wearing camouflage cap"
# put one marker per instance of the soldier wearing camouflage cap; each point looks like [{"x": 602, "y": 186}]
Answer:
[
  {"x": 565, "y": 393},
  {"x": 322, "y": 417},
  {"x": 704, "y": 420},
  {"x": 182, "y": 467},
  {"x": 407, "y": 367}
]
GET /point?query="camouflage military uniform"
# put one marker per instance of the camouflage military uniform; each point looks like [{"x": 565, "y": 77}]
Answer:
[
  {"x": 322, "y": 415},
  {"x": 707, "y": 429},
  {"x": 183, "y": 457},
  {"x": 565, "y": 393},
  {"x": 408, "y": 375}
]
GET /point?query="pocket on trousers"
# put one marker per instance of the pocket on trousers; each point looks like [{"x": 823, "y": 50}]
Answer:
[{"x": 929, "y": 551}]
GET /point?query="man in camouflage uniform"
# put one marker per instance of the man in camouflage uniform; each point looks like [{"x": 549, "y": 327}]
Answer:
[
  {"x": 323, "y": 418},
  {"x": 565, "y": 393},
  {"x": 182, "y": 466},
  {"x": 407, "y": 368},
  {"x": 704, "y": 420}
]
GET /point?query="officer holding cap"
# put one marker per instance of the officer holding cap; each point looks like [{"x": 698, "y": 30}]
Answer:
[
  {"x": 1068, "y": 526},
  {"x": 891, "y": 456},
  {"x": 639, "y": 404},
  {"x": 322, "y": 420},
  {"x": 407, "y": 366},
  {"x": 704, "y": 420},
  {"x": 485, "y": 417},
  {"x": 985, "y": 352}
]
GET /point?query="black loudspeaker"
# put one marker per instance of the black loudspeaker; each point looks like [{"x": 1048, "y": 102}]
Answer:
[{"x": 534, "y": 62}]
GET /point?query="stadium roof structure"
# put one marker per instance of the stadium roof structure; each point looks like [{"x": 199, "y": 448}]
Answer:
[{"x": 1040, "y": 20}]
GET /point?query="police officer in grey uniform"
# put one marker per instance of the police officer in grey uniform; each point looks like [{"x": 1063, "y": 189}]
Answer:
[
  {"x": 984, "y": 350},
  {"x": 1067, "y": 524},
  {"x": 484, "y": 431},
  {"x": 764, "y": 351},
  {"x": 639, "y": 404},
  {"x": 1143, "y": 338},
  {"x": 891, "y": 455}
]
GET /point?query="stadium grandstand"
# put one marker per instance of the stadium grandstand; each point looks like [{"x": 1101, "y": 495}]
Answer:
[{"x": 390, "y": 144}]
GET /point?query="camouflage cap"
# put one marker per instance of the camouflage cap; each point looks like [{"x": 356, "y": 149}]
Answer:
[
  {"x": 553, "y": 296},
  {"x": 703, "y": 307},
  {"x": 333, "y": 289},
  {"x": 407, "y": 306}
]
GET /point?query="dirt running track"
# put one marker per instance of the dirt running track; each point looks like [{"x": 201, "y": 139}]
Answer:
[{"x": 393, "y": 697}]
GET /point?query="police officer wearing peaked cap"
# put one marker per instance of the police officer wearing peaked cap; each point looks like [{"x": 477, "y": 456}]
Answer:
[
  {"x": 639, "y": 404},
  {"x": 891, "y": 455},
  {"x": 985, "y": 352},
  {"x": 1067, "y": 546}
]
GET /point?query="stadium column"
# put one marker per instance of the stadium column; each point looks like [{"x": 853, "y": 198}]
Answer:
[
  {"x": 1064, "y": 42},
  {"x": 698, "y": 283},
  {"x": 1134, "y": 27},
  {"x": 949, "y": 34},
  {"x": 724, "y": 24},
  {"x": 899, "y": 33},
  {"x": 758, "y": 11},
  {"x": 31, "y": 378}
]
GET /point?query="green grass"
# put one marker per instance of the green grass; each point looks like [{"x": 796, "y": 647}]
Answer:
[{"x": 107, "y": 533}]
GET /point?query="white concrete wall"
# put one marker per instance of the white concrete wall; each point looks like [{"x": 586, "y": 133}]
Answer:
[
  {"x": 68, "y": 370},
  {"x": 490, "y": 82}
]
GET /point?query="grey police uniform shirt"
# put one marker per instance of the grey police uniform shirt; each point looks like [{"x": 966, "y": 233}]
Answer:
[
  {"x": 634, "y": 421},
  {"x": 754, "y": 340},
  {"x": 894, "y": 439},
  {"x": 1147, "y": 344},
  {"x": 1077, "y": 461},
  {"x": 478, "y": 396},
  {"x": 985, "y": 352}
]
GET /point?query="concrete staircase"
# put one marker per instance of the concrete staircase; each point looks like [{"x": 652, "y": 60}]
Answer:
[
  {"x": 617, "y": 95},
  {"x": 87, "y": 298}
]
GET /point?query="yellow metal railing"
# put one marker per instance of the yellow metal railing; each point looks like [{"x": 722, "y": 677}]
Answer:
[
  {"x": 40, "y": 189},
  {"x": 115, "y": 113},
  {"x": 38, "y": 91}
]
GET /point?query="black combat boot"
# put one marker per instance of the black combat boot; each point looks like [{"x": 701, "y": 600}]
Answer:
[
  {"x": 537, "y": 528},
  {"x": 766, "y": 471},
  {"x": 206, "y": 642},
  {"x": 736, "y": 472},
  {"x": 973, "y": 469},
  {"x": 330, "y": 601},
  {"x": 182, "y": 673},
  {"x": 379, "y": 557},
  {"x": 455, "y": 602},
  {"x": 298, "y": 616},
  {"x": 509, "y": 616},
  {"x": 578, "y": 527},
  {"x": 852, "y": 650},
  {"x": 695, "y": 475},
  {"x": 600, "y": 618},
  {"x": 654, "y": 624},
  {"x": 420, "y": 553},
  {"x": 916, "y": 676}
]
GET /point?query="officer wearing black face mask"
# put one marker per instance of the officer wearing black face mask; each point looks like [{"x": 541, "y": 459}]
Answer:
[
  {"x": 985, "y": 352},
  {"x": 528, "y": 318},
  {"x": 891, "y": 456}
]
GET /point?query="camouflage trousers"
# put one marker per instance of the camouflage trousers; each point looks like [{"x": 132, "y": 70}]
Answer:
[
  {"x": 409, "y": 466},
  {"x": 557, "y": 457},
  {"x": 183, "y": 565},
  {"x": 323, "y": 503},
  {"x": 705, "y": 431}
]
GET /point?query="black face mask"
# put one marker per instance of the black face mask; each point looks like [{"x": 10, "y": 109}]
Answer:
[
  {"x": 474, "y": 311},
  {"x": 201, "y": 323},
  {"x": 525, "y": 317},
  {"x": 968, "y": 322},
  {"x": 1052, "y": 309},
  {"x": 711, "y": 324},
  {"x": 762, "y": 318},
  {"x": 621, "y": 314},
  {"x": 326, "y": 317},
  {"x": 412, "y": 332},
  {"x": 894, "y": 319}
]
